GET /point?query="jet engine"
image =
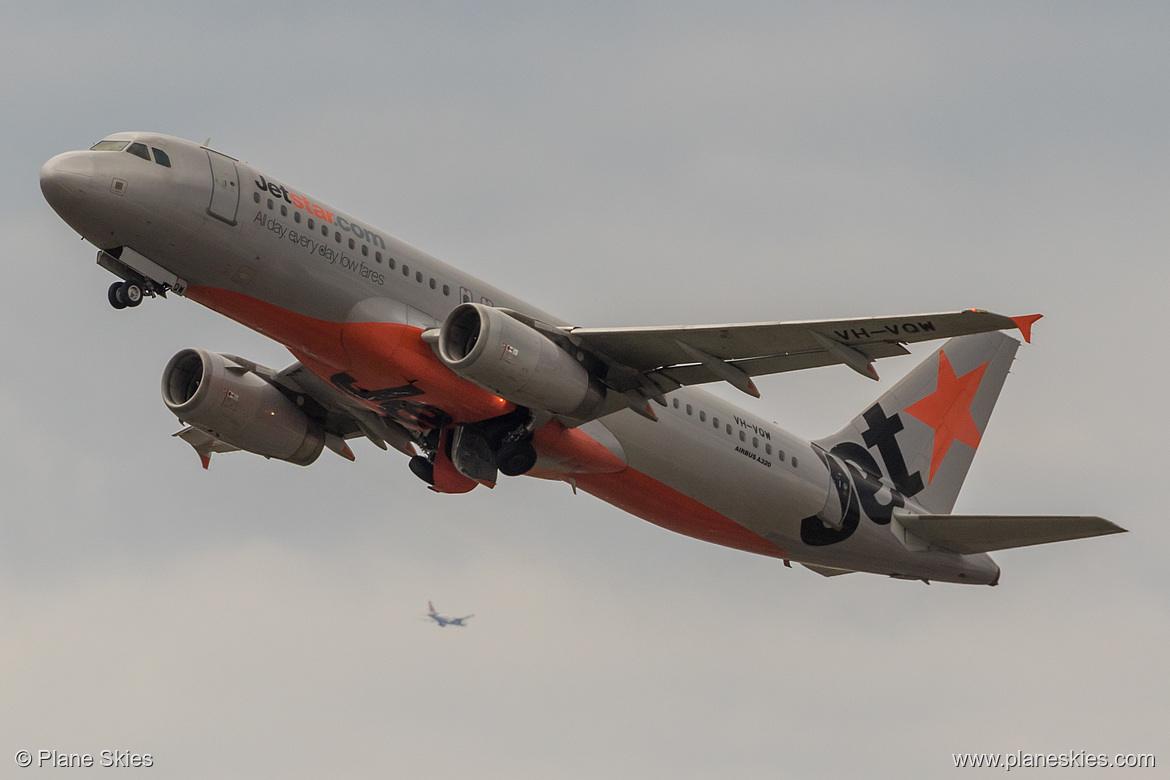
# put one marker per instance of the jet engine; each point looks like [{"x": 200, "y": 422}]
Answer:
[
  {"x": 515, "y": 361},
  {"x": 213, "y": 393}
]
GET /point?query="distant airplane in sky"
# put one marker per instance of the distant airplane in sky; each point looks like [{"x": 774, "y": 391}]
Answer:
[
  {"x": 446, "y": 621},
  {"x": 470, "y": 382}
]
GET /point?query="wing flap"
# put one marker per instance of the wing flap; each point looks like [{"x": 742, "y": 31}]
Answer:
[
  {"x": 344, "y": 416},
  {"x": 775, "y": 364},
  {"x": 966, "y": 534}
]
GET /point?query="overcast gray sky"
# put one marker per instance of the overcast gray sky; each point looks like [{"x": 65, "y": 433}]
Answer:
[{"x": 670, "y": 163}]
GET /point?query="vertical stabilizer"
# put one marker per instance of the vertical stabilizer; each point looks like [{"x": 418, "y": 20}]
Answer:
[{"x": 924, "y": 432}]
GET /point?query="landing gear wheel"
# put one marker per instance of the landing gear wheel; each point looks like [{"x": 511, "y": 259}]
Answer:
[
  {"x": 114, "y": 296},
  {"x": 423, "y": 469},
  {"x": 517, "y": 459},
  {"x": 131, "y": 293}
]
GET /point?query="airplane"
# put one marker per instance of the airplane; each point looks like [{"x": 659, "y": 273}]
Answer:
[
  {"x": 446, "y": 621},
  {"x": 471, "y": 384}
]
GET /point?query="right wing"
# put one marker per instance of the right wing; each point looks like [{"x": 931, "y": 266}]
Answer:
[{"x": 647, "y": 363}]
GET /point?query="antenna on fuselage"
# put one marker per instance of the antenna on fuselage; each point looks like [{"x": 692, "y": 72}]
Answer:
[{"x": 207, "y": 143}]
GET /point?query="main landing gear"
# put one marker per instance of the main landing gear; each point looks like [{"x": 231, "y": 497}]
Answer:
[
  {"x": 458, "y": 457},
  {"x": 124, "y": 295}
]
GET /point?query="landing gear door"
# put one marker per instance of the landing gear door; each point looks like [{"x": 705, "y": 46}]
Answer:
[{"x": 225, "y": 187}]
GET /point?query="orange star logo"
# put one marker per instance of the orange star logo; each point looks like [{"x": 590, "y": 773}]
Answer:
[{"x": 948, "y": 410}]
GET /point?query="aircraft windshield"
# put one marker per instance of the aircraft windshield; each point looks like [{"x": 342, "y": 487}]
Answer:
[{"x": 108, "y": 146}]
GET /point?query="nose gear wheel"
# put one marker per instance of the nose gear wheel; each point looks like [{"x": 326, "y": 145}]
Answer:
[{"x": 123, "y": 295}]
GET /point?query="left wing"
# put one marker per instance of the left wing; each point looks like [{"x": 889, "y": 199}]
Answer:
[
  {"x": 204, "y": 444},
  {"x": 339, "y": 416}
]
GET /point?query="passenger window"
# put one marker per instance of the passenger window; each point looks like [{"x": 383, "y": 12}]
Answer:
[
  {"x": 755, "y": 442},
  {"x": 336, "y": 237},
  {"x": 256, "y": 197},
  {"x": 418, "y": 276},
  {"x": 390, "y": 261},
  {"x": 446, "y": 289},
  {"x": 365, "y": 251},
  {"x": 405, "y": 269},
  {"x": 780, "y": 455},
  {"x": 271, "y": 205},
  {"x": 702, "y": 417},
  {"x": 432, "y": 282},
  {"x": 324, "y": 230},
  {"x": 794, "y": 462},
  {"x": 768, "y": 448},
  {"x": 378, "y": 256},
  {"x": 675, "y": 402},
  {"x": 297, "y": 217},
  {"x": 690, "y": 411},
  {"x": 139, "y": 150},
  {"x": 283, "y": 210},
  {"x": 715, "y": 421},
  {"x": 351, "y": 244},
  {"x": 728, "y": 429},
  {"x": 742, "y": 436},
  {"x": 161, "y": 158}
]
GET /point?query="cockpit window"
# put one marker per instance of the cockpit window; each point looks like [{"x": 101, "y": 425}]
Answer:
[
  {"x": 140, "y": 150},
  {"x": 160, "y": 157},
  {"x": 108, "y": 146}
]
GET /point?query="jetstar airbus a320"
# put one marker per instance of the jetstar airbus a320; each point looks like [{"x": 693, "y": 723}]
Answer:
[{"x": 470, "y": 383}]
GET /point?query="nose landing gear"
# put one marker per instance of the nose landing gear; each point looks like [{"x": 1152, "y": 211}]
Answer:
[
  {"x": 141, "y": 277},
  {"x": 124, "y": 295}
]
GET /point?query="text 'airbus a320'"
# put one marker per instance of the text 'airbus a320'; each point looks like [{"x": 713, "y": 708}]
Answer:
[{"x": 406, "y": 351}]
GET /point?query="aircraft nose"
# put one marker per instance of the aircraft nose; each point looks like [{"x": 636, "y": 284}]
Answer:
[{"x": 66, "y": 178}]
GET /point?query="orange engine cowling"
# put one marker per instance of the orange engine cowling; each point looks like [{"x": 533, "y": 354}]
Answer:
[{"x": 230, "y": 402}]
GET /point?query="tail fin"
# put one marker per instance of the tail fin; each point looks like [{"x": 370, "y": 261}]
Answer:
[
  {"x": 430, "y": 608},
  {"x": 925, "y": 430}
]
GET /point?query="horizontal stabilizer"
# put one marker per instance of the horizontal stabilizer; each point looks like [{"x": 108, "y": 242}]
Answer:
[{"x": 966, "y": 534}]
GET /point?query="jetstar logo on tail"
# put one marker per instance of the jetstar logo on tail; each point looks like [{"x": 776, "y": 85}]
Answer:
[
  {"x": 858, "y": 481},
  {"x": 948, "y": 410}
]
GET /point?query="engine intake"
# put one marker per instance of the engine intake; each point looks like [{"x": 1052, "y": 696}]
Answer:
[
  {"x": 211, "y": 392},
  {"x": 499, "y": 353}
]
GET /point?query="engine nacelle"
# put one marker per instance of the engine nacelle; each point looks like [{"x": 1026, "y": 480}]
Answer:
[
  {"x": 214, "y": 394},
  {"x": 498, "y": 352}
]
